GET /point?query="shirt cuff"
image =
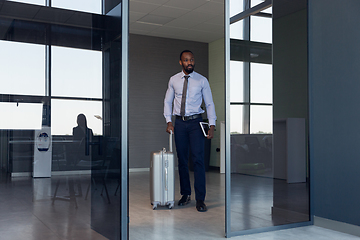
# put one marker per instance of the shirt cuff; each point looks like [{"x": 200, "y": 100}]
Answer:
[
  {"x": 212, "y": 122},
  {"x": 168, "y": 119}
]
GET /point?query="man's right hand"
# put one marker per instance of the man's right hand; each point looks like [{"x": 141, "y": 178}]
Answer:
[{"x": 170, "y": 127}]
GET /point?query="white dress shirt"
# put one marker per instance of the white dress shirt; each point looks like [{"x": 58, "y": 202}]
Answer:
[{"x": 198, "y": 89}]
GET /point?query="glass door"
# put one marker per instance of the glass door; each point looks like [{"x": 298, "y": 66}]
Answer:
[
  {"x": 64, "y": 100},
  {"x": 267, "y": 163}
]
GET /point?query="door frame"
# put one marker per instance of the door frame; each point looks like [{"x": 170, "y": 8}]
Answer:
[
  {"x": 228, "y": 232},
  {"x": 124, "y": 208}
]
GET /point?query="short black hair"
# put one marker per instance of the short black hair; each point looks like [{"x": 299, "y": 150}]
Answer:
[{"x": 185, "y": 51}]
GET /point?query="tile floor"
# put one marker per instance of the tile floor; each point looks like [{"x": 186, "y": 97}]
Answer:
[
  {"x": 27, "y": 212},
  {"x": 301, "y": 233},
  {"x": 186, "y": 223}
]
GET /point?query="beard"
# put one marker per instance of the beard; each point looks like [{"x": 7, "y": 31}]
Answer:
[{"x": 189, "y": 70}]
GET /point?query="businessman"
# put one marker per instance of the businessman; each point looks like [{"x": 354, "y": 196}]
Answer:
[{"x": 186, "y": 92}]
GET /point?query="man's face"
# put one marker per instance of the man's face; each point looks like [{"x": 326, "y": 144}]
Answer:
[{"x": 187, "y": 62}]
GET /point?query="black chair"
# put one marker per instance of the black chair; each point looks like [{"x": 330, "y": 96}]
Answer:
[
  {"x": 112, "y": 173},
  {"x": 105, "y": 172}
]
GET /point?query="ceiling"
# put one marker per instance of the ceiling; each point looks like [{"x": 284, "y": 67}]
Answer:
[{"x": 194, "y": 20}]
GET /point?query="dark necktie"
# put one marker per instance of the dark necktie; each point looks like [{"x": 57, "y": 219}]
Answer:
[{"x": 183, "y": 99}]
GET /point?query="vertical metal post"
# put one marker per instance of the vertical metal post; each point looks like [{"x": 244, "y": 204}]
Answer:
[
  {"x": 310, "y": 132},
  {"x": 124, "y": 121},
  {"x": 227, "y": 121},
  {"x": 46, "y": 118},
  {"x": 246, "y": 75}
]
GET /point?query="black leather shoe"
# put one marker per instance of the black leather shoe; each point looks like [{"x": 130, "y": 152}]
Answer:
[
  {"x": 185, "y": 199},
  {"x": 200, "y": 206}
]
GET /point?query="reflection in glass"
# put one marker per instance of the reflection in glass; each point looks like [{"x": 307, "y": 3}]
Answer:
[
  {"x": 236, "y": 81},
  {"x": 22, "y": 73},
  {"x": 82, "y": 138},
  {"x": 251, "y": 181},
  {"x": 76, "y": 73},
  {"x": 261, "y": 83},
  {"x": 257, "y": 2},
  {"x": 261, "y": 119},
  {"x": 236, "y": 119},
  {"x": 81, "y": 188},
  {"x": 261, "y": 29},
  {"x": 237, "y": 30},
  {"x": 64, "y": 115},
  {"x": 14, "y": 115},
  {"x": 263, "y": 149},
  {"x": 91, "y": 6},
  {"x": 236, "y": 6}
]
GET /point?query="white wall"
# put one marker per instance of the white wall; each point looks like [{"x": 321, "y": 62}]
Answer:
[
  {"x": 152, "y": 61},
  {"x": 217, "y": 84}
]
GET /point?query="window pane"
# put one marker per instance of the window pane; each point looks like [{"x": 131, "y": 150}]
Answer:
[
  {"x": 36, "y": 2},
  {"x": 22, "y": 68},
  {"x": 236, "y": 6},
  {"x": 261, "y": 29},
  {"x": 261, "y": 83},
  {"x": 236, "y": 81},
  {"x": 237, "y": 30},
  {"x": 76, "y": 73},
  {"x": 261, "y": 119},
  {"x": 14, "y": 115},
  {"x": 64, "y": 116},
  {"x": 91, "y": 6},
  {"x": 236, "y": 119}
]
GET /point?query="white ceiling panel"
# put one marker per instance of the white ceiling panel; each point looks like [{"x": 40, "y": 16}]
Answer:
[
  {"x": 211, "y": 7},
  {"x": 134, "y": 16},
  {"x": 143, "y": 7},
  {"x": 170, "y": 30},
  {"x": 186, "y": 4},
  {"x": 218, "y": 20},
  {"x": 143, "y": 27},
  {"x": 169, "y": 11},
  {"x": 193, "y": 20},
  {"x": 181, "y": 23},
  {"x": 155, "y": 19}
]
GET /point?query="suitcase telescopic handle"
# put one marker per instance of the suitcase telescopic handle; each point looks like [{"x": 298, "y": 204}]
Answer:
[{"x": 170, "y": 141}]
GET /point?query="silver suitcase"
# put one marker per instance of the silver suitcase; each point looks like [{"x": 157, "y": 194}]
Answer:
[{"x": 162, "y": 183}]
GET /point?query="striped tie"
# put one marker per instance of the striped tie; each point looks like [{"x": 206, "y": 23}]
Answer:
[{"x": 183, "y": 99}]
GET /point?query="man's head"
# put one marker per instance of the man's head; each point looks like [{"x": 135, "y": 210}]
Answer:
[{"x": 187, "y": 61}]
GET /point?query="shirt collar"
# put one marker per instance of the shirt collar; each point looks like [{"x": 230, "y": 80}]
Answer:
[{"x": 183, "y": 74}]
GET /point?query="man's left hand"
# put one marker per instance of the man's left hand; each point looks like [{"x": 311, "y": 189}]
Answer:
[{"x": 211, "y": 132}]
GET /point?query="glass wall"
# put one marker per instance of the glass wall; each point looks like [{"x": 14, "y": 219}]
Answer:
[
  {"x": 61, "y": 99},
  {"x": 31, "y": 79},
  {"x": 269, "y": 183}
]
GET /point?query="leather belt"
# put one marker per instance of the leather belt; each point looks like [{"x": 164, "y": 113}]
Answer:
[{"x": 186, "y": 118}]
